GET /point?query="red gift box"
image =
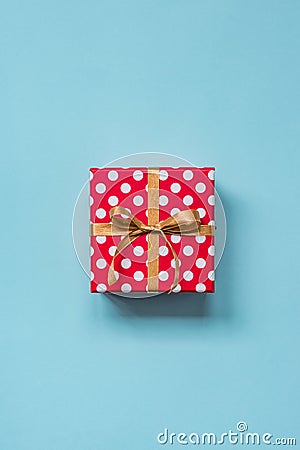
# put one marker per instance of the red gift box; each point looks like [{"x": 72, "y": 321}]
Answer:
[{"x": 177, "y": 189}]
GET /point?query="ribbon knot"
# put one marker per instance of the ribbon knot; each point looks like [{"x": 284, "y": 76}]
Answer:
[{"x": 149, "y": 228}]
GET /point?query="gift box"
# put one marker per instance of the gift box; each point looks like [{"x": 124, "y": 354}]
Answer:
[{"x": 152, "y": 229}]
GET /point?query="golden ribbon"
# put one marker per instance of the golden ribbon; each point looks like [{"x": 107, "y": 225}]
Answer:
[{"x": 183, "y": 223}]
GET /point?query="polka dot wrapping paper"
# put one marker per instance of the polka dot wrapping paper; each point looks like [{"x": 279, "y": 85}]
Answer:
[{"x": 180, "y": 188}]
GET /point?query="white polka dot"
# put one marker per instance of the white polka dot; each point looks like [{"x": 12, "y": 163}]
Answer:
[
  {"x": 211, "y": 275},
  {"x": 146, "y": 188},
  {"x": 200, "y": 287},
  {"x": 91, "y": 200},
  {"x": 92, "y": 276},
  {"x": 100, "y": 213},
  {"x": 101, "y": 287},
  {"x": 200, "y": 263},
  {"x": 211, "y": 200},
  {"x": 188, "y": 275},
  {"x": 126, "y": 287},
  {"x": 163, "y": 275},
  {"x": 138, "y": 250},
  {"x": 163, "y": 200},
  {"x": 174, "y": 211},
  {"x": 100, "y": 239},
  {"x": 125, "y": 188},
  {"x": 211, "y": 250},
  {"x": 173, "y": 263},
  {"x": 100, "y": 188},
  {"x": 101, "y": 263},
  {"x": 113, "y": 200},
  {"x": 138, "y": 275},
  {"x": 138, "y": 200},
  {"x": 91, "y": 175},
  {"x": 188, "y": 175},
  {"x": 117, "y": 275},
  {"x": 163, "y": 250},
  {"x": 200, "y": 187},
  {"x": 211, "y": 222},
  {"x": 92, "y": 251},
  {"x": 126, "y": 263},
  {"x": 163, "y": 175},
  {"x": 113, "y": 175},
  {"x": 188, "y": 250},
  {"x": 177, "y": 288},
  {"x": 137, "y": 175},
  {"x": 200, "y": 239},
  {"x": 175, "y": 187},
  {"x": 211, "y": 174},
  {"x": 146, "y": 214},
  {"x": 188, "y": 200},
  {"x": 175, "y": 238},
  {"x": 201, "y": 212},
  {"x": 112, "y": 250}
]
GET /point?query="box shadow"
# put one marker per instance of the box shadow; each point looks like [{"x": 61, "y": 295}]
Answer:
[{"x": 193, "y": 305}]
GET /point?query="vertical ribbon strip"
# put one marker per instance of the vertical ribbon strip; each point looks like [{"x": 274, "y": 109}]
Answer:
[{"x": 153, "y": 238}]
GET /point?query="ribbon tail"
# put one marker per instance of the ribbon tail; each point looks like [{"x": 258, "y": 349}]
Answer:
[
  {"x": 176, "y": 275},
  {"x": 125, "y": 242}
]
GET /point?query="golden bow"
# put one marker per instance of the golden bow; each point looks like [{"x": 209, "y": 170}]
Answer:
[{"x": 187, "y": 223}]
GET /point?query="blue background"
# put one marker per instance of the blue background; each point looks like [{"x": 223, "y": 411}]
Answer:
[{"x": 82, "y": 83}]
